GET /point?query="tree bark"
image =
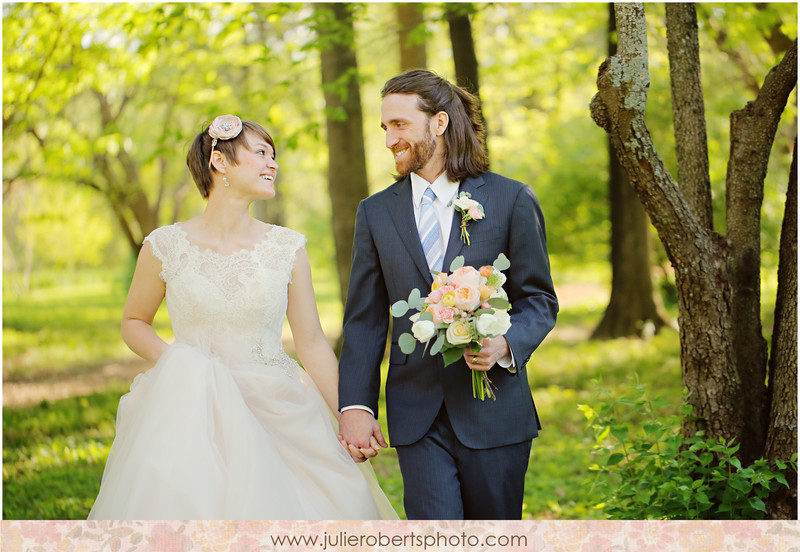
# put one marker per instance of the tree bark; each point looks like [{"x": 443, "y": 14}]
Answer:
[
  {"x": 410, "y": 21},
  {"x": 347, "y": 163},
  {"x": 688, "y": 109},
  {"x": 696, "y": 253},
  {"x": 782, "y": 432},
  {"x": 753, "y": 131},
  {"x": 632, "y": 309}
]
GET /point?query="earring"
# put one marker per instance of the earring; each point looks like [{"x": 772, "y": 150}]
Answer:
[{"x": 225, "y": 179}]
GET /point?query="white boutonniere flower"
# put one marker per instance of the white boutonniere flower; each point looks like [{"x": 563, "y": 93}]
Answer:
[{"x": 470, "y": 210}]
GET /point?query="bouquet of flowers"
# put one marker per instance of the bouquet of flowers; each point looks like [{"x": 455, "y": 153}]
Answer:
[{"x": 462, "y": 308}]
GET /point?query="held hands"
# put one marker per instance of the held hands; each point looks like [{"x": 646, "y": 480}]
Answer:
[
  {"x": 360, "y": 434},
  {"x": 492, "y": 350}
]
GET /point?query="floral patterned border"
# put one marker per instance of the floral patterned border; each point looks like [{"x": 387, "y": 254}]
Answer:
[{"x": 513, "y": 536}]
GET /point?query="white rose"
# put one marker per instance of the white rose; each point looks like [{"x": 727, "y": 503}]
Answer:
[
  {"x": 423, "y": 330},
  {"x": 458, "y": 333},
  {"x": 464, "y": 203},
  {"x": 493, "y": 325}
]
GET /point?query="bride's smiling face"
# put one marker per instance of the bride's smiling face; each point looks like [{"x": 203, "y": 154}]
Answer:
[{"x": 256, "y": 169}]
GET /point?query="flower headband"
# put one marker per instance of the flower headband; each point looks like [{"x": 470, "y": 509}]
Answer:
[{"x": 224, "y": 127}]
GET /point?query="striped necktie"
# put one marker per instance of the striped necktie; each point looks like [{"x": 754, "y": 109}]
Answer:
[{"x": 429, "y": 233}]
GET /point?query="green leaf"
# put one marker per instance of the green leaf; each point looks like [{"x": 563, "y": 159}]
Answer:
[
  {"x": 615, "y": 459},
  {"x": 501, "y": 262},
  {"x": 620, "y": 432},
  {"x": 437, "y": 345},
  {"x": 414, "y": 298},
  {"x": 484, "y": 311},
  {"x": 407, "y": 343},
  {"x": 457, "y": 263},
  {"x": 425, "y": 315},
  {"x": 399, "y": 309},
  {"x": 499, "y": 303},
  {"x": 453, "y": 355},
  {"x": 758, "y": 504}
]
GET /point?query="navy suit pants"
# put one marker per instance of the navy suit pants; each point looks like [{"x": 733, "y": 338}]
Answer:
[{"x": 443, "y": 479}]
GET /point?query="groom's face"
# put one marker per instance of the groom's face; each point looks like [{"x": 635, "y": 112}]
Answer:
[{"x": 409, "y": 133}]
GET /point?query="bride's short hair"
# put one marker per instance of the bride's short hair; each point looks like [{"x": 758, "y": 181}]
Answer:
[{"x": 200, "y": 152}]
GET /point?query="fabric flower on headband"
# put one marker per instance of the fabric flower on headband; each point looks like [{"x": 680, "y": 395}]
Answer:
[{"x": 224, "y": 127}]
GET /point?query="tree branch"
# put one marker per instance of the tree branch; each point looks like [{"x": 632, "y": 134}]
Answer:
[{"x": 688, "y": 110}]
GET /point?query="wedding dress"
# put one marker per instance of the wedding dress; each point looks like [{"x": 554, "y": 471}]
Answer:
[{"x": 226, "y": 425}]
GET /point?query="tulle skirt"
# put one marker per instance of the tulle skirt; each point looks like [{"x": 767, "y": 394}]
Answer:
[{"x": 199, "y": 439}]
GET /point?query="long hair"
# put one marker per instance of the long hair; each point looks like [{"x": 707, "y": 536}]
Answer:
[{"x": 464, "y": 138}]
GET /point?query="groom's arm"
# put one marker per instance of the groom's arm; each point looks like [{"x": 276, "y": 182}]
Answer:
[
  {"x": 366, "y": 323},
  {"x": 529, "y": 285}
]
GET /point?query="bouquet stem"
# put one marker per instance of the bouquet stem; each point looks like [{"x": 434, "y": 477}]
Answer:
[{"x": 482, "y": 385}]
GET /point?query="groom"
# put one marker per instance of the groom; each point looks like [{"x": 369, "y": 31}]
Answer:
[{"x": 461, "y": 458}]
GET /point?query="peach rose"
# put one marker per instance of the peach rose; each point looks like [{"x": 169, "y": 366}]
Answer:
[
  {"x": 467, "y": 298},
  {"x": 475, "y": 213},
  {"x": 440, "y": 280},
  {"x": 466, "y": 276}
]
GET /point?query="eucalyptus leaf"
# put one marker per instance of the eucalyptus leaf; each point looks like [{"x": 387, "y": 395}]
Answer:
[
  {"x": 437, "y": 345},
  {"x": 457, "y": 263},
  {"x": 501, "y": 262},
  {"x": 399, "y": 309},
  {"x": 499, "y": 303},
  {"x": 407, "y": 343},
  {"x": 425, "y": 315},
  {"x": 414, "y": 298}
]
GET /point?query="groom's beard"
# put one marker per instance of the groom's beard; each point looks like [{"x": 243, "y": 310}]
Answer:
[{"x": 419, "y": 153}]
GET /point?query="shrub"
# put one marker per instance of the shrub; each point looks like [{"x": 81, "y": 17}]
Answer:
[{"x": 657, "y": 473}]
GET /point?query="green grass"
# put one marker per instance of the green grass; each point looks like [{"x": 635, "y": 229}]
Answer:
[
  {"x": 66, "y": 328},
  {"x": 54, "y": 453}
]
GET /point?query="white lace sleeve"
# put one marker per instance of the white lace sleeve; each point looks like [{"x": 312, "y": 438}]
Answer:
[
  {"x": 165, "y": 248},
  {"x": 294, "y": 242}
]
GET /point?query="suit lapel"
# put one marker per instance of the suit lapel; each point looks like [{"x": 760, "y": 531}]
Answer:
[
  {"x": 454, "y": 245},
  {"x": 402, "y": 214}
]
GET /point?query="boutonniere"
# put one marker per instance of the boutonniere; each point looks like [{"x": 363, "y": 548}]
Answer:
[{"x": 470, "y": 210}]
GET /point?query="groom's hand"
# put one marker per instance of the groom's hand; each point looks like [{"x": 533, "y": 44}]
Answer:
[
  {"x": 492, "y": 350},
  {"x": 361, "y": 434}
]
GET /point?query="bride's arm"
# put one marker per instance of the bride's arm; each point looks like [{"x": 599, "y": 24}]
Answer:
[
  {"x": 144, "y": 297},
  {"x": 312, "y": 346}
]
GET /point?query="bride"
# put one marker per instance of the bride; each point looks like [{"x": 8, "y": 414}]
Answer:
[{"x": 226, "y": 425}]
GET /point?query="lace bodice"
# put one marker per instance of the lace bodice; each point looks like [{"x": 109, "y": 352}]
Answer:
[{"x": 231, "y": 306}]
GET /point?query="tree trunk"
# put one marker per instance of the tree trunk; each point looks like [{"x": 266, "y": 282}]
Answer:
[
  {"x": 464, "y": 58},
  {"x": 695, "y": 253},
  {"x": 782, "y": 432},
  {"x": 632, "y": 309},
  {"x": 410, "y": 28},
  {"x": 706, "y": 265},
  {"x": 688, "y": 109},
  {"x": 347, "y": 164},
  {"x": 753, "y": 131}
]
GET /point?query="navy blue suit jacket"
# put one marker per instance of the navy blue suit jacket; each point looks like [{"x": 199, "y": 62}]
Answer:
[{"x": 388, "y": 262}]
